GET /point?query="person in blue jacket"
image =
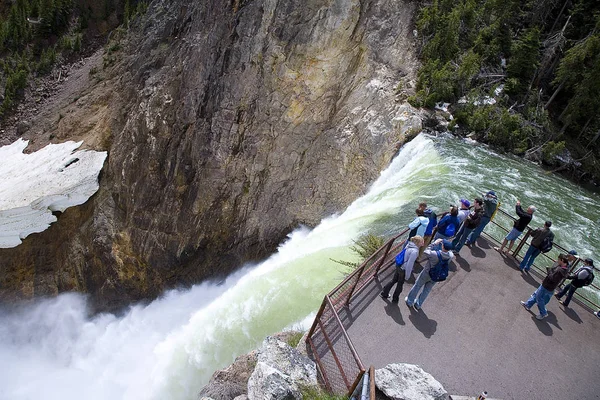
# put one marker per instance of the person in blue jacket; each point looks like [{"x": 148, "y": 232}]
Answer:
[{"x": 448, "y": 225}]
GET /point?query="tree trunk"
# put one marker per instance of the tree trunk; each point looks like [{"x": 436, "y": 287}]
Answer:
[{"x": 558, "y": 89}]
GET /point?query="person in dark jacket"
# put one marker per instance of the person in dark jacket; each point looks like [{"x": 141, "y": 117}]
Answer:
[
  {"x": 534, "y": 250},
  {"x": 471, "y": 222},
  {"x": 518, "y": 227},
  {"x": 490, "y": 205},
  {"x": 582, "y": 277},
  {"x": 543, "y": 293}
]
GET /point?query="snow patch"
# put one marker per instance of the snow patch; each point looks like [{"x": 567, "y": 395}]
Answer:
[{"x": 32, "y": 186}]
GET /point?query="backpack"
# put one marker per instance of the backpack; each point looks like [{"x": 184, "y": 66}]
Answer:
[
  {"x": 450, "y": 229},
  {"x": 588, "y": 281},
  {"x": 439, "y": 272},
  {"x": 546, "y": 245},
  {"x": 400, "y": 258}
]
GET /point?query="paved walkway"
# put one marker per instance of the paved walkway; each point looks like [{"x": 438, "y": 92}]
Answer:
[{"x": 473, "y": 334}]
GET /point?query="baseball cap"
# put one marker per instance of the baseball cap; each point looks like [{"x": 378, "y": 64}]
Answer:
[
  {"x": 465, "y": 203},
  {"x": 589, "y": 261},
  {"x": 447, "y": 244},
  {"x": 491, "y": 192},
  {"x": 572, "y": 252}
]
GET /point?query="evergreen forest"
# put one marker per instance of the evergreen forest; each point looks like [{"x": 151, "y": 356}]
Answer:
[
  {"x": 523, "y": 76},
  {"x": 36, "y": 35}
]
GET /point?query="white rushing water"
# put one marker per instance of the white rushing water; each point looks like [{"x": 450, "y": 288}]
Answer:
[{"x": 169, "y": 348}]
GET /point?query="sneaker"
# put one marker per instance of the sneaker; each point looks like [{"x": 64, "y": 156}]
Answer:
[
  {"x": 407, "y": 303},
  {"x": 540, "y": 316},
  {"x": 525, "y": 306},
  {"x": 384, "y": 296},
  {"x": 597, "y": 314},
  {"x": 562, "y": 302},
  {"x": 395, "y": 300},
  {"x": 497, "y": 249},
  {"x": 416, "y": 307},
  {"x": 557, "y": 296}
]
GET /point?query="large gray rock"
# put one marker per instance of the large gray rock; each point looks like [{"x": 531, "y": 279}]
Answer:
[
  {"x": 279, "y": 372},
  {"x": 408, "y": 382}
]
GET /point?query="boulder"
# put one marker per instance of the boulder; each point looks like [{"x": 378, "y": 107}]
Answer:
[
  {"x": 408, "y": 382},
  {"x": 231, "y": 382},
  {"x": 280, "y": 371}
]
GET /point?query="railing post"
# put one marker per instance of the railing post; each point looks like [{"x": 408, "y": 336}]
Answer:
[
  {"x": 385, "y": 253},
  {"x": 317, "y": 318}
]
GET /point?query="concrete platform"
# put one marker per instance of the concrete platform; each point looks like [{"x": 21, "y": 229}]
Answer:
[{"x": 473, "y": 334}]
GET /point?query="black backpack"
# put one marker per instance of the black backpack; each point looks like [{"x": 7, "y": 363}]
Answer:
[{"x": 546, "y": 245}]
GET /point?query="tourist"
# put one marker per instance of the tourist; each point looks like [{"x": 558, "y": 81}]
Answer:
[
  {"x": 571, "y": 258},
  {"x": 490, "y": 205},
  {"x": 518, "y": 227},
  {"x": 442, "y": 247},
  {"x": 448, "y": 225},
  {"x": 584, "y": 276},
  {"x": 471, "y": 222},
  {"x": 540, "y": 235},
  {"x": 419, "y": 224},
  {"x": 543, "y": 293},
  {"x": 429, "y": 213},
  {"x": 463, "y": 211},
  {"x": 404, "y": 270}
]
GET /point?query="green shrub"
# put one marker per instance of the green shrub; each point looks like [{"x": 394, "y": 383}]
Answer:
[{"x": 316, "y": 393}]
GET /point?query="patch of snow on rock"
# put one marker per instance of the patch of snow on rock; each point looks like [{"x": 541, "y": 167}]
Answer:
[{"x": 32, "y": 186}]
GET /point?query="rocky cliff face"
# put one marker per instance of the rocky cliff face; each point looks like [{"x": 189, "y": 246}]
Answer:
[{"x": 228, "y": 123}]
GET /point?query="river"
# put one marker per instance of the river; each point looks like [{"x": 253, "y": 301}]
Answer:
[{"x": 168, "y": 349}]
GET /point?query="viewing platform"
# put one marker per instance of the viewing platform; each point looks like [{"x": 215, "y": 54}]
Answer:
[{"x": 472, "y": 333}]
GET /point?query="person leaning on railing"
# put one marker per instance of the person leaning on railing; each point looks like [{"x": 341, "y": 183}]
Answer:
[
  {"x": 518, "y": 227},
  {"x": 534, "y": 250},
  {"x": 490, "y": 205},
  {"x": 543, "y": 293}
]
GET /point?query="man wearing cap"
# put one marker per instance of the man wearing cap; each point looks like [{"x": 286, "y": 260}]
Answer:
[
  {"x": 518, "y": 227},
  {"x": 534, "y": 250},
  {"x": 490, "y": 204},
  {"x": 543, "y": 293},
  {"x": 471, "y": 222},
  {"x": 571, "y": 257},
  {"x": 463, "y": 211},
  {"x": 424, "y": 281},
  {"x": 584, "y": 276}
]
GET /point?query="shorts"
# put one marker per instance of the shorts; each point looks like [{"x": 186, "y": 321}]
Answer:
[{"x": 513, "y": 234}]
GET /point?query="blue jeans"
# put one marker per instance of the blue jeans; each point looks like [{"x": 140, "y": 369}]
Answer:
[
  {"x": 461, "y": 238},
  {"x": 477, "y": 231},
  {"x": 541, "y": 296},
  {"x": 423, "y": 280},
  {"x": 532, "y": 253},
  {"x": 570, "y": 291}
]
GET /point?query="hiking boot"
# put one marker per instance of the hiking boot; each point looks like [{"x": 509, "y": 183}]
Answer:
[
  {"x": 384, "y": 296},
  {"x": 540, "y": 316},
  {"x": 524, "y": 304}
]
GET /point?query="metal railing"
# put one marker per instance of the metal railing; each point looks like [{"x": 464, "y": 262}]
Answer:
[
  {"x": 584, "y": 296},
  {"x": 339, "y": 364}
]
